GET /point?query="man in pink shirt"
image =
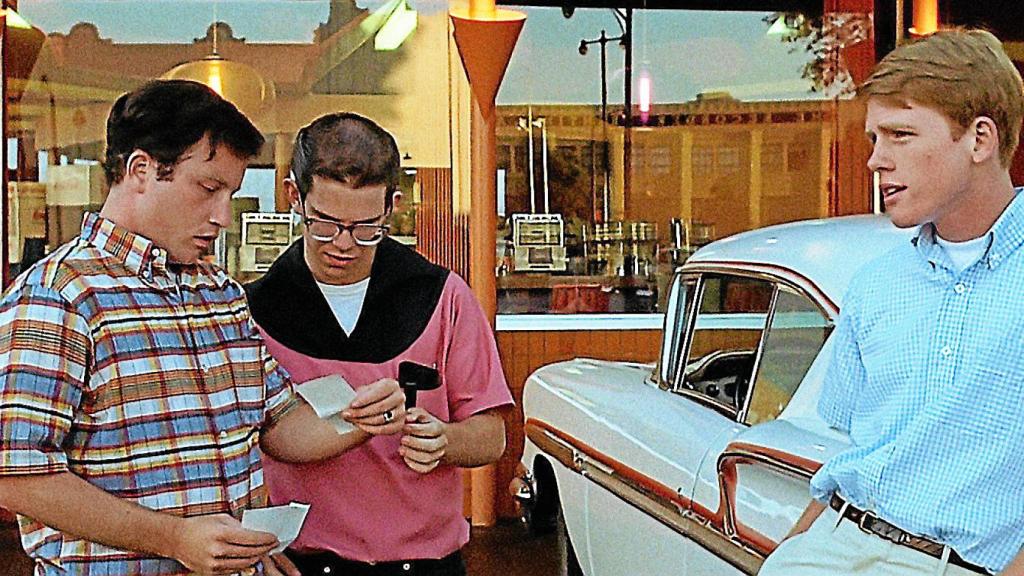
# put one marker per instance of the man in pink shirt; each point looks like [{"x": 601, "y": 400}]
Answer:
[{"x": 346, "y": 299}]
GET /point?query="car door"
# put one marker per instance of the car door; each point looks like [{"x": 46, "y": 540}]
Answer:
[
  {"x": 641, "y": 464},
  {"x": 753, "y": 482}
]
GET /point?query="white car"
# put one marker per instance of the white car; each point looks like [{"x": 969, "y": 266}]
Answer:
[{"x": 700, "y": 464}]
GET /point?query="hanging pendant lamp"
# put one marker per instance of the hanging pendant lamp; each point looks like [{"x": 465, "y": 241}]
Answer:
[{"x": 238, "y": 83}]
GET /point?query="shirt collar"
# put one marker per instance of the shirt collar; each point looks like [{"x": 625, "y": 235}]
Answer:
[
  {"x": 1005, "y": 236},
  {"x": 138, "y": 253}
]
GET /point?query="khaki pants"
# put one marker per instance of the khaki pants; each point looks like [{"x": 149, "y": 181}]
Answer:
[{"x": 828, "y": 549}]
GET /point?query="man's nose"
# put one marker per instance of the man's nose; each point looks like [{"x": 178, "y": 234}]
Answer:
[
  {"x": 221, "y": 215},
  {"x": 879, "y": 159},
  {"x": 344, "y": 239}
]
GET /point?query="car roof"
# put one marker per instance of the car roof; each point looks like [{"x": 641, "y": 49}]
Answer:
[{"x": 828, "y": 252}]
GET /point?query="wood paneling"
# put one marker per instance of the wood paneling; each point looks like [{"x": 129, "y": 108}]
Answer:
[
  {"x": 442, "y": 236},
  {"x": 524, "y": 352}
]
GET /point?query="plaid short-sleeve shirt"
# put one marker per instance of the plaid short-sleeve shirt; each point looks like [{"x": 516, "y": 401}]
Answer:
[{"x": 146, "y": 379}]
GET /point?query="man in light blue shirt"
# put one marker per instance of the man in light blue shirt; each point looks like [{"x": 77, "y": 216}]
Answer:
[{"x": 927, "y": 376}]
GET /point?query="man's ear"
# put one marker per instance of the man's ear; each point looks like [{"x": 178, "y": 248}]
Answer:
[
  {"x": 291, "y": 189},
  {"x": 396, "y": 199},
  {"x": 139, "y": 166},
  {"x": 986, "y": 139}
]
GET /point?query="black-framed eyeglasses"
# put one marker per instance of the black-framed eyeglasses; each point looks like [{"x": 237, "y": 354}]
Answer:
[{"x": 363, "y": 234}]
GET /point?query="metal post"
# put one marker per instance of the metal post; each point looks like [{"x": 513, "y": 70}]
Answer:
[
  {"x": 605, "y": 160},
  {"x": 627, "y": 140},
  {"x": 529, "y": 148},
  {"x": 544, "y": 162}
]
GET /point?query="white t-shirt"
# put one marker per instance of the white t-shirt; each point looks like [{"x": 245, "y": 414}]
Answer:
[
  {"x": 964, "y": 254},
  {"x": 346, "y": 301}
]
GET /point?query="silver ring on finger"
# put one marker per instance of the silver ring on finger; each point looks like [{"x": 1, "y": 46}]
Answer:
[{"x": 388, "y": 416}]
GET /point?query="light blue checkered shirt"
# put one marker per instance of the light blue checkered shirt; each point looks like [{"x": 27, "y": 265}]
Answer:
[{"x": 927, "y": 378}]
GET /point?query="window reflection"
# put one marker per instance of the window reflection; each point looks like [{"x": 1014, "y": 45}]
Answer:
[
  {"x": 735, "y": 139},
  {"x": 283, "y": 62}
]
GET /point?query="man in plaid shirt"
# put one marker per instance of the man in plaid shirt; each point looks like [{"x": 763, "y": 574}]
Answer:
[{"x": 135, "y": 393}]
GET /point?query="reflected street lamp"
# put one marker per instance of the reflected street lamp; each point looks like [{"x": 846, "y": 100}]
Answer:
[{"x": 624, "y": 18}]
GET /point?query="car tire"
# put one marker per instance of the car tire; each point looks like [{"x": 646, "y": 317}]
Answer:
[
  {"x": 567, "y": 554},
  {"x": 541, "y": 517}
]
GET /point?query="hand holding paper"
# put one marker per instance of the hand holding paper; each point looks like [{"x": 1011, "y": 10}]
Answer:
[
  {"x": 328, "y": 396},
  {"x": 285, "y": 522}
]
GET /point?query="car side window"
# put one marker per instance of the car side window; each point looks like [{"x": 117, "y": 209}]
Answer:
[
  {"x": 677, "y": 317},
  {"x": 731, "y": 315},
  {"x": 797, "y": 331}
]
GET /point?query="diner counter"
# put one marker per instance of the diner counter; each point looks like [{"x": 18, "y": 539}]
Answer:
[
  {"x": 570, "y": 322},
  {"x": 542, "y": 280}
]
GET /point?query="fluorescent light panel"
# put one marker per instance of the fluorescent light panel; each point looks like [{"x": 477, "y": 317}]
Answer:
[{"x": 399, "y": 26}]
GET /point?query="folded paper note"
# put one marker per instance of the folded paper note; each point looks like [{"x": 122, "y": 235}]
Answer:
[
  {"x": 329, "y": 395},
  {"x": 285, "y": 522}
]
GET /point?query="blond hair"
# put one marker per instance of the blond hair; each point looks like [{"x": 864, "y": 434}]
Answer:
[{"x": 963, "y": 74}]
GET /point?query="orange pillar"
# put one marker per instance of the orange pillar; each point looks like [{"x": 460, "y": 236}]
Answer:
[
  {"x": 485, "y": 37},
  {"x": 926, "y": 17}
]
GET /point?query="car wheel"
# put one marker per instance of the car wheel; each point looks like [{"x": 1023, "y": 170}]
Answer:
[
  {"x": 566, "y": 552},
  {"x": 541, "y": 516}
]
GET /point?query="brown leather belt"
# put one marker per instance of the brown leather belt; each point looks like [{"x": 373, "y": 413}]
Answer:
[{"x": 872, "y": 524}]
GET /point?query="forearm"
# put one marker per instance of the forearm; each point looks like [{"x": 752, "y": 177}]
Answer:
[
  {"x": 811, "y": 513},
  {"x": 1016, "y": 567},
  {"x": 475, "y": 441},
  {"x": 302, "y": 436},
  {"x": 68, "y": 503}
]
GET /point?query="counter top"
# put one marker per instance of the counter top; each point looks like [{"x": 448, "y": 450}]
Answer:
[
  {"x": 534, "y": 281},
  {"x": 565, "y": 322}
]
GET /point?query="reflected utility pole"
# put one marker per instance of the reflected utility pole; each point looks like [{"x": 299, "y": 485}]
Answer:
[{"x": 624, "y": 18}]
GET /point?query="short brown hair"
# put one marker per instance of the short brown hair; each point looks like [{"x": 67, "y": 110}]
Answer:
[
  {"x": 348, "y": 148},
  {"x": 166, "y": 117},
  {"x": 962, "y": 73}
]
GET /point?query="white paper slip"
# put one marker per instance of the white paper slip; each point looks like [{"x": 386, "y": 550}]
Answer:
[
  {"x": 285, "y": 522},
  {"x": 329, "y": 395}
]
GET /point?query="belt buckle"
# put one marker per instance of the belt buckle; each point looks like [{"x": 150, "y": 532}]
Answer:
[
  {"x": 892, "y": 534},
  {"x": 864, "y": 515}
]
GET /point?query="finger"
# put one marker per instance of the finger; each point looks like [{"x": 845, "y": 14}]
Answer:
[
  {"x": 376, "y": 392},
  {"x": 431, "y": 430},
  {"x": 377, "y": 430},
  {"x": 384, "y": 418},
  {"x": 417, "y": 414},
  {"x": 422, "y": 457},
  {"x": 233, "y": 565},
  {"x": 242, "y": 552},
  {"x": 417, "y": 467},
  {"x": 394, "y": 402},
  {"x": 284, "y": 564},
  {"x": 270, "y": 567},
  {"x": 239, "y": 536},
  {"x": 424, "y": 444}
]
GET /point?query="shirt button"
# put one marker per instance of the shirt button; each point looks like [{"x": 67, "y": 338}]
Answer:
[
  {"x": 406, "y": 567},
  {"x": 223, "y": 434},
  {"x": 327, "y": 569},
  {"x": 960, "y": 288},
  {"x": 946, "y": 350}
]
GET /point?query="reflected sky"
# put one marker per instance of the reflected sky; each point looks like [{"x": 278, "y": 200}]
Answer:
[{"x": 685, "y": 52}]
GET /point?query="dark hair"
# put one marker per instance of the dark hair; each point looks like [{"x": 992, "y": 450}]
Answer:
[
  {"x": 165, "y": 117},
  {"x": 347, "y": 148}
]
